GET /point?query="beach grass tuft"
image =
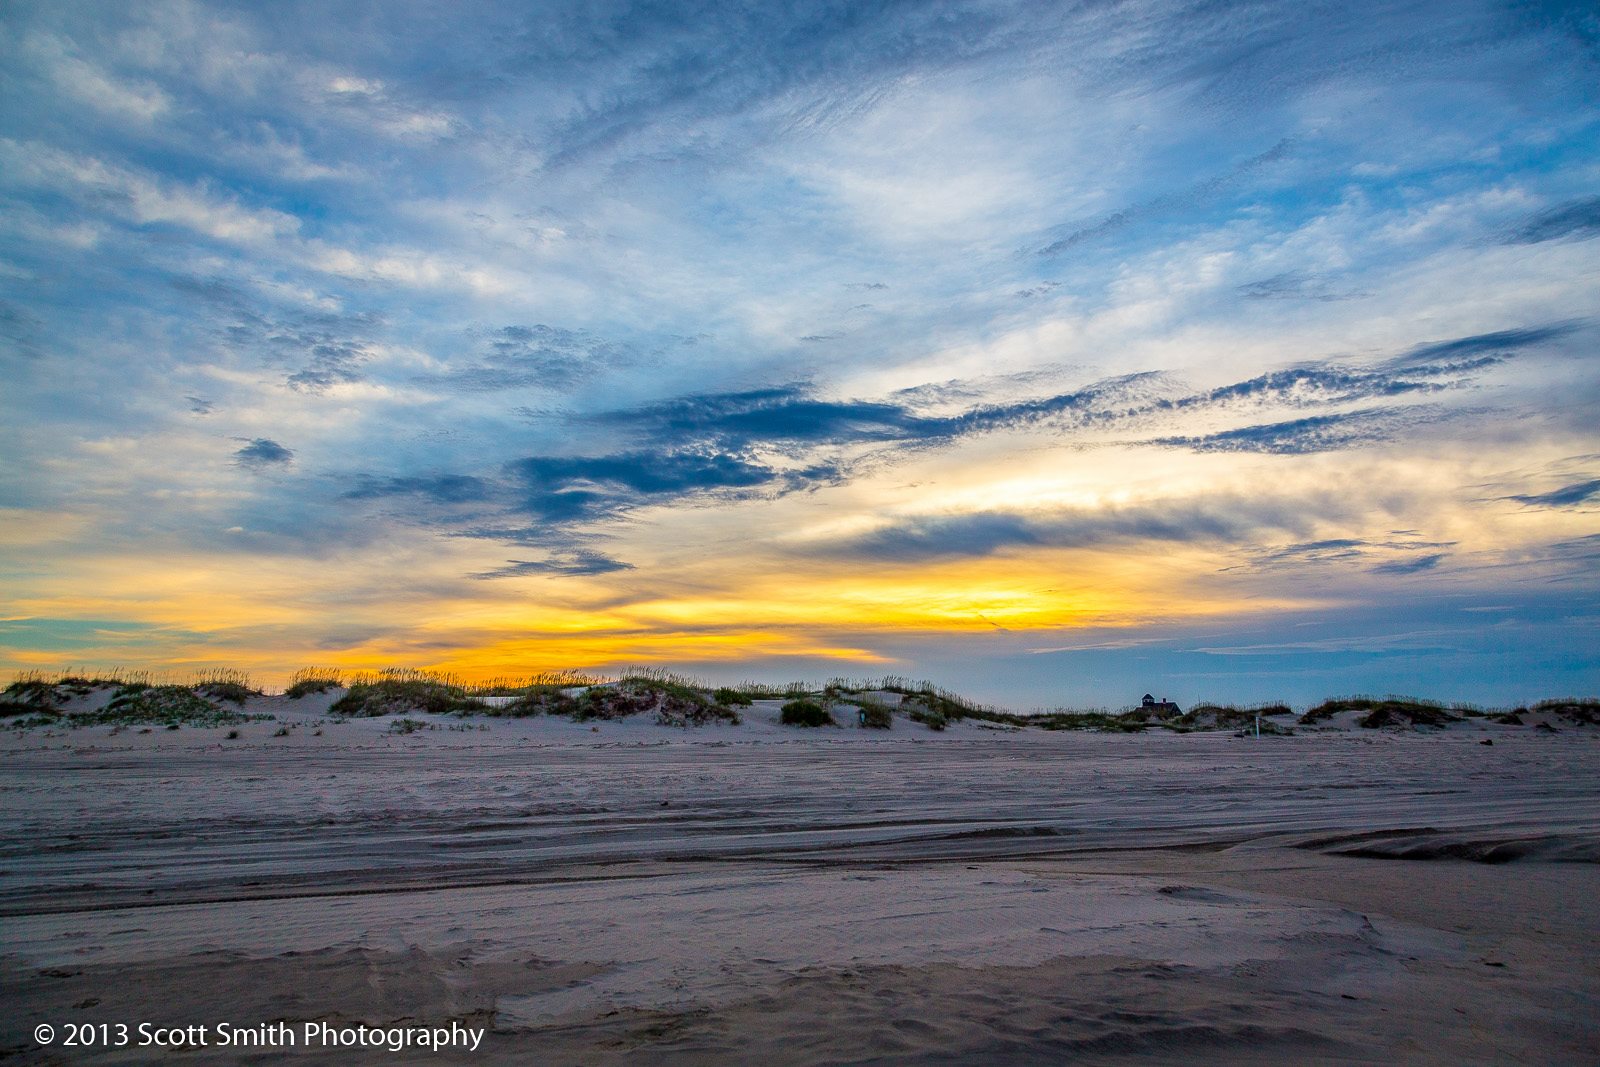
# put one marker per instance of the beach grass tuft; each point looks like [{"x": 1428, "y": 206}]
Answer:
[
  {"x": 403, "y": 690},
  {"x": 805, "y": 712},
  {"x": 1386, "y": 711}
]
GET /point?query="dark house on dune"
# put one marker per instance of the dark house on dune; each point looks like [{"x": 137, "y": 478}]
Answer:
[{"x": 1162, "y": 709}]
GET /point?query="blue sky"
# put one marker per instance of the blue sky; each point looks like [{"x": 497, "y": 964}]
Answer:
[{"x": 1057, "y": 353}]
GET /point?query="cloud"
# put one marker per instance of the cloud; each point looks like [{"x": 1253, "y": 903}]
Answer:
[
  {"x": 140, "y": 198},
  {"x": 1577, "y": 218},
  {"x": 263, "y": 452},
  {"x": 1496, "y": 343},
  {"x": 1567, "y": 496},
  {"x": 922, "y": 538},
  {"x": 438, "y": 488},
  {"x": 1317, "y": 433},
  {"x": 536, "y": 357},
  {"x": 1348, "y": 550},
  {"x": 777, "y": 440},
  {"x": 1077, "y": 234},
  {"x": 566, "y": 564},
  {"x": 569, "y": 488},
  {"x": 1410, "y": 566},
  {"x": 1294, "y": 285}
]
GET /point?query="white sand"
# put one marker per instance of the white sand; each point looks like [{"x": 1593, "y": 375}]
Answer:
[{"x": 594, "y": 893}]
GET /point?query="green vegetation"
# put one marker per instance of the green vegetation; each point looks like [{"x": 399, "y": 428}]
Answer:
[
  {"x": 805, "y": 712},
  {"x": 161, "y": 705},
  {"x": 40, "y": 698},
  {"x": 310, "y": 680},
  {"x": 1207, "y": 716},
  {"x": 1576, "y": 709},
  {"x": 875, "y": 716},
  {"x": 30, "y": 694},
  {"x": 675, "y": 700},
  {"x": 1100, "y": 721},
  {"x": 232, "y": 686},
  {"x": 1385, "y": 711},
  {"x": 540, "y": 702},
  {"x": 543, "y": 682},
  {"x": 394, "y": 690}
]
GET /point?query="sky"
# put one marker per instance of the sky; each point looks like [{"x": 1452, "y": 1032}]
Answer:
[{"x": 1055, "y": 352}]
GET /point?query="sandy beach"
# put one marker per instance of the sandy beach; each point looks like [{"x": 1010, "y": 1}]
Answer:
[{"x": 623, "y": 891}]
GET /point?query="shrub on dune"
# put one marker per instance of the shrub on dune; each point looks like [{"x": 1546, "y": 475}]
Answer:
[
  {"x": 805, "y": 713},
  {"x": 1388, "y": 711},
  {"x": 29, "y": 694},
  {"x": 675, "y": 701},
  {"x": 541, "y": 702},
  {"x": 875, "y": 716},
  {"x": 403, "y": 691},
  {"x": 161, "y": 705}
]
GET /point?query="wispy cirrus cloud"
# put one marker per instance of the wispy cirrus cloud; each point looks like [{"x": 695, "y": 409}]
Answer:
[
  {"x": 1579, "y": 219},
  {"x": 1568, "y": 496}
]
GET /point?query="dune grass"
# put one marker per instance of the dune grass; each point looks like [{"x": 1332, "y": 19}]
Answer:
[
  {"x": 805, "y": 712},
  {"x": 308, "y": 681},
  {"x": 396, "y": 690},
  {"x": 40, "y": 697},
  {"x": 1209, "y": 716},
  {"x": 1386, "y": 711},
  {"x": 160, "y": 705}
]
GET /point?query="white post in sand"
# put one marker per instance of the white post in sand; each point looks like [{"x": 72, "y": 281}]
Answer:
[{"x": 1258, "y": 724}]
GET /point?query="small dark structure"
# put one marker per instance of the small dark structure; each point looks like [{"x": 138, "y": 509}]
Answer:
[{"x": 1162, "y": 709}]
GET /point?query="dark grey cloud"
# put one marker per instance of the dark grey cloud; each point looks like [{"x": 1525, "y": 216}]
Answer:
[
  {"x": 1037, "y": 290},
  {"x": 20, "y": 331},
  {"x": 330, "y": 363},
  {"x": 1566, "y": 497},
  {"x": 1410, "y": 566},
  {"x": 533, "y": 357},
  {"x": 1317, "y": 433},
  {"x": 1347, "y": 550},
  {"x": 1294, "y": 285},
  {"x": 1324, "y": 385},
  {"x": 200, "y": 405},
  {"x": 773, "y": 416},
  {"x": 772, "y": 441},
  {"x": 1578, "y": 218},
  {"x": 1578, "y": 550},
  {"x": 564, "y": 564},
  {"x": 986, "y": 533},
  {"x": 1316, "y": 551},
  {"x": 328, "y": 349},
  {"x": 263, "y": 452},
  {"x": 1498, "y": 343},
  {"x": 794, "y": 417},
  {"x": 581, "y": 488},
  {"x": 438, "y": 488},
  {"x": 323, "y": 348}
]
